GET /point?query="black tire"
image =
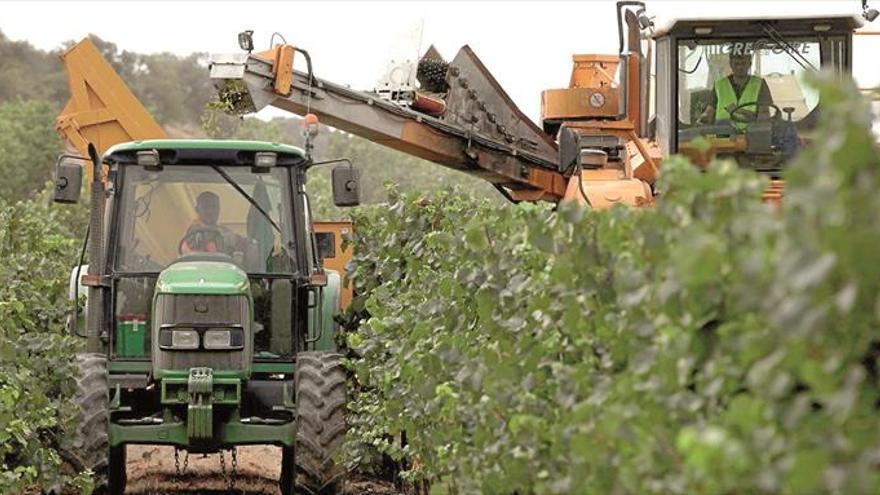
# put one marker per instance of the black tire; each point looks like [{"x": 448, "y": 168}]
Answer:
[
  {"x": 117, "y": 477},
  {"x": 320, "y": 382},
  {"x": 287, "y": 471},
  {"x": 89, "y": 446}
]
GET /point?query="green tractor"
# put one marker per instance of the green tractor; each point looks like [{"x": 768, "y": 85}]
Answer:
[{"x": 208, "y": 319}]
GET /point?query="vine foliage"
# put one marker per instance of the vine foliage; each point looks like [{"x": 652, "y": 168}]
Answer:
[
  {"x": 711, "y": 344},
  {"x": 37, "y": 369}
]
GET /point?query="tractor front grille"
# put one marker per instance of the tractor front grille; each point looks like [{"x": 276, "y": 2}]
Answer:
[{"x": 196, "y": 315}]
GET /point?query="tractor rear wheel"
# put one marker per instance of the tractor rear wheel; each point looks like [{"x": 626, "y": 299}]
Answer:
[
  {"x": 89, "y": 446},
  {"x": 320, "y": 382}
]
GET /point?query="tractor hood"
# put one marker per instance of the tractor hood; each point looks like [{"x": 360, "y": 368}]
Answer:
[
  {"x": 195, "y": 296},
  {"x": 201, "y": 276}
]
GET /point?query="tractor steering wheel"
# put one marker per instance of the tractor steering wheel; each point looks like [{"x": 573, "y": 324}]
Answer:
[
  {"x": 201, "y": 239},
  {"x": 740, "y": 117}
]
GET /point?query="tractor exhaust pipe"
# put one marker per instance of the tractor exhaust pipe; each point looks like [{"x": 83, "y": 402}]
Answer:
[{"x": 94, "y": 279}]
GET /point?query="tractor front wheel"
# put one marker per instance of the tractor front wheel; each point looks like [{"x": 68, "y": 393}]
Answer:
[
  {"x": 88, "y": 446},
  {"x": 320, "y": 382}
]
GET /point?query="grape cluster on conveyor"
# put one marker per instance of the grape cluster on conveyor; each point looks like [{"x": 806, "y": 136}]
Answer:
[
  {"x": 234, "y": 98},
  {"x": 432, "y": 75}
]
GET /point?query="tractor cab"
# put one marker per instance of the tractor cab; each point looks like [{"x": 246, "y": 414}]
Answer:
[
  {"x": 193, "y": 219},
  {"x": 739, "y": 88}
]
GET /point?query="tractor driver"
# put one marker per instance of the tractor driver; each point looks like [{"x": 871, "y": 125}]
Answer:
[
  {"x": 740, "y": 89},
  {"x": 205, "y": 235}
]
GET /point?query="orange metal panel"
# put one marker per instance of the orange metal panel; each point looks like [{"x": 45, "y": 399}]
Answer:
[
  {"x": 606, "y": 188},
  {"x": 551, "y": 183},
  {"x": 284, "y": 70},
  {"x": 599, "y": 126},
  {"x": 590, "y": 74},
  {"x": 645, "y": 157},
  {"x": 532, "y": 195},
  {"x": 593, "y": 71},
  {"x": 101, "y": 109},
  {"x": 634, "y": 88},
  {"x": 648, "y": 169},
  {"x": 339, "y": 229},
  {"x": 558, "y": 104},
  {"x": 281, "y": 58}
]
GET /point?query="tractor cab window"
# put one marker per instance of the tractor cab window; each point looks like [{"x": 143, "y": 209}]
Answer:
[
  {"x": 196, "y": 211},
  {"x": 748, "y": 98},
  {"x": 226, "y": 212}
]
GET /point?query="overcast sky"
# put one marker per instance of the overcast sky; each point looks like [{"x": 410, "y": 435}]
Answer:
[{"x": 526, "y": 45}]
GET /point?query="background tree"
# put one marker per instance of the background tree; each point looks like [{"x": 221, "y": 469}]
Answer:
[{"x": 28, "y": 147}]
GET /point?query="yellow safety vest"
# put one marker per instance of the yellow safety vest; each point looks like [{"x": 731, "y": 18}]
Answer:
[{"x": 725, "y": 95}]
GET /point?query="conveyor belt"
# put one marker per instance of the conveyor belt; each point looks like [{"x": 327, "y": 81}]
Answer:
[{"x": 482, "y": 132}]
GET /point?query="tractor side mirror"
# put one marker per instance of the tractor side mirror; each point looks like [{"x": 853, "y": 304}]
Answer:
[
  {"x": 346, "y": 186},
  {"x": 68, "y": 178}
]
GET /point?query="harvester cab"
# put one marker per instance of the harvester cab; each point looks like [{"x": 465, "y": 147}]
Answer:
[
  {"x": 735, "y": 88},
  {"x": 209, "y": 318},
  {"x": 739, "y": 88}
]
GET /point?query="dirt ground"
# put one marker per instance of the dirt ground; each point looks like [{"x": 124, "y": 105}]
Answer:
[{"x": 151, "y": 471}]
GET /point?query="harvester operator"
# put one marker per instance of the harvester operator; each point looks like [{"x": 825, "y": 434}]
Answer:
[
  {"x": 748, "y": 94},
  {"x": 204, "y": 235}
]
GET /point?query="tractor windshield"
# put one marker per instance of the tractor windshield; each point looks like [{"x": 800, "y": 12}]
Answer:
[
  {"x": 748, "y": 98},
  {"x": 184, "y": 210}
]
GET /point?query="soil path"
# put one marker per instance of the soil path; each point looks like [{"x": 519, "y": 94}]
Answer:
[{"x": 151, "y": 472}]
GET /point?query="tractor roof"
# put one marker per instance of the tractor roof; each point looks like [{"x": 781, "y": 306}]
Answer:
[
  {"x": 733, "y": 26},
  {"x": 122, "y": 151}
]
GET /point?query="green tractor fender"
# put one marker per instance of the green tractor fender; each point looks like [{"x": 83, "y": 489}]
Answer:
[{"x": 321, "y": 323}]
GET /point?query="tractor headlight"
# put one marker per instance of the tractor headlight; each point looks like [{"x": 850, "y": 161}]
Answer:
[
  {"x": 218, "y": 339},
  {"x": 209, "y": 339},
  {"x": 184, "y": 339},
  {"x": 223, "y": 339}
]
